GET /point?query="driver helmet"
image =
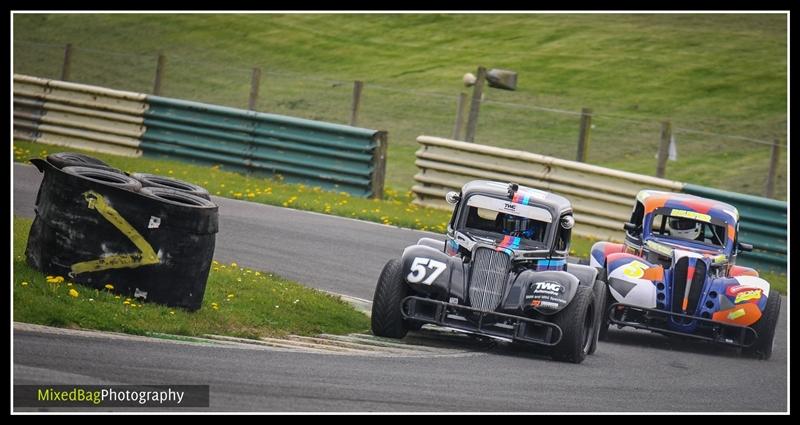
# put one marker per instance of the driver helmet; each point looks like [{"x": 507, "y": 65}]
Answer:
[
  {"x": 517, "y": 226},
  {"x": 684, "y": 228}
]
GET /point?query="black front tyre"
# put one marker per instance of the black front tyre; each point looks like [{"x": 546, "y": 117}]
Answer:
[
  {"x": 387, "y": 319},
  {"x": 577, "y": 323},
  {"x": 765, "y": 328}
]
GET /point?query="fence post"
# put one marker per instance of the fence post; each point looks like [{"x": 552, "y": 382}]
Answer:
[
  {"x": 462, "y": 101},
  {"x": 65, "y": 69},
  {"x": 475, "y": 105},
  {"x": 773, "y": 168},
  {"x": 255, "y": 83},
  {"x": 357, "y": 86},
  {"x": 159, "y": 74},
  {"x": 583, "y": 134},
  {"x": 379, "y": 163},
  {"x": 663, "y": 148}
]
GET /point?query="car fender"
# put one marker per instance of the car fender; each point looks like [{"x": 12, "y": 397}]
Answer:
[
  {"x": 433, "y": 243},
  {"x": 547, "y": 292},
  {"x": 586, "y": 274},
  {"x": 742, "y": 271},
  {"x": 601, "y": 250},
  {"x": 632, "y": 280},
  {"x": 431, "y": 271},
  {"x": 739, "y": 300}
]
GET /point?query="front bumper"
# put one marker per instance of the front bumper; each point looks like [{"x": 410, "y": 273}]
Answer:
[
  {"x": 658, "y": 321},
  {"x": 486, "y": 323}
]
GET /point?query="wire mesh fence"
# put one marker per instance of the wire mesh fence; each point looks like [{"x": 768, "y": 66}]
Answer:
[{"x": 506, "y": 119}]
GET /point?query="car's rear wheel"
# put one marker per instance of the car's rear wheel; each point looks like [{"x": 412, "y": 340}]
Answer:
[
  {"x": 577, "y": 323},
  {"x": 600, "y": 293},
  {"x": 765, "y": 328},
  {"x": 608, "y": 299},
  {"x": 387, "y": 319}
]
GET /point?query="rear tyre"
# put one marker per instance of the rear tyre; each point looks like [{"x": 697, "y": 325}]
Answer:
[
  {"x": 387, "y": 319},
  {"x": 600, "y": 293},
  {"x": 765, "y": 328},
  {"x": 604, "y": 322},
  {"x": 577, "y": 323}
]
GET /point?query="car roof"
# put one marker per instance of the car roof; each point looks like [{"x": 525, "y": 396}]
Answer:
[
  {"x": 652, "y": 199},
  {"x": 500, "y": 190}
]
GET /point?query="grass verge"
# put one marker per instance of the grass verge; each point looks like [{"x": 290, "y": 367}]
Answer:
[{"x": 238, "y": 302}]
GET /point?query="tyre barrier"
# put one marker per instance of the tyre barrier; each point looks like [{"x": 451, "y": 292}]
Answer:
[
  {"x": 154, "y": 180},
  {"x": 99, "y": 227},
  {"x": 68, "y": 159}
]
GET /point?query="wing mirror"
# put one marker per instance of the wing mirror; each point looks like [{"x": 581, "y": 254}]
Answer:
[
  {"x": 452, "y": 198},
  {"x": 745, "y": 247},
  {"x": 629, "y": 227}
]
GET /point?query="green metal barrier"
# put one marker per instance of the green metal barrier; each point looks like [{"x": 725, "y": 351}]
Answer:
[
  {"x": 332, "y": 156},
  {"x": 763, "y": 224}
]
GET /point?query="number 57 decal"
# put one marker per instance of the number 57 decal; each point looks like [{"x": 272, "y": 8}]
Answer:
[{"x": 418, "y": 270}]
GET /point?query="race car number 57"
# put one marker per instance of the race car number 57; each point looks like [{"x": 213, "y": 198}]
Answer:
[{"x": 418, "y": 270}]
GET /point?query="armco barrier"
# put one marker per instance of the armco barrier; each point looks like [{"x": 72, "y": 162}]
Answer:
[
  {"x": 602, "y": 198},
  {"x": 763, "y": 224},
  {"x": 332, "y": 156},
  {"x": 86, "y": 117}
]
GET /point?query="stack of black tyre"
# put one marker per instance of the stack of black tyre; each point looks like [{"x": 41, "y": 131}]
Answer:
[{"x": 148, "y": 236}]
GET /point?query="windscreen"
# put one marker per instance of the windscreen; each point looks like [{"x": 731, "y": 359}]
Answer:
[
  {"x": 496, "y": 218},
  {"x": 689, "y": 226}
]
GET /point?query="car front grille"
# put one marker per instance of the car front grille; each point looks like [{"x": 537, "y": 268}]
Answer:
[
  {"x": 679, "y": 283},
  {"x": 488, "y": 278}
]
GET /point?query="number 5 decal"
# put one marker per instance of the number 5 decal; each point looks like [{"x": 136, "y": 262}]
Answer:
[
  {"x": 635, "y": 269},
  {"x": 418, "y": 270}
]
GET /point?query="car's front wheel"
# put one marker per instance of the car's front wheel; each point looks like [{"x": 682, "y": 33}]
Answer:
[
  {"x": 765, "y": 328},
  {"x": 387, "y": 319},
  {"x": 577, "y": 322}
]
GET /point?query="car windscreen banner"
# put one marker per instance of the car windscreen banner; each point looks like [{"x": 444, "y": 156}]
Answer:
[{"x": 509, "y": 207}]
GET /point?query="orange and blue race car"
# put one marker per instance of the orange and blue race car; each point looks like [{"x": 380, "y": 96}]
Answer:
[{"x": 675, "y": 274}]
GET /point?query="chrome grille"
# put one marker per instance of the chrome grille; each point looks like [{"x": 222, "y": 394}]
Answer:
[{"x": 488, "y": 278}]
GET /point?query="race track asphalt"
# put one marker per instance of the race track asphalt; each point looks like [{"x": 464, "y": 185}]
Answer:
[{"x": 633, "y": 372}]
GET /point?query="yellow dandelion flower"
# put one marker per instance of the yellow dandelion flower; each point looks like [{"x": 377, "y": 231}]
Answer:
[
  {"x": 231, "y": 295},
  {"x": 54, "y": 279},
  {"x": 117, "y": 297},
  {"x": 73, "y": 293},
  {"x": 172, "y": 312},
  {"x": 109, "y": 286},
  {"x": 69, "y": 284},
  {"x": 233, "y": 264},
  {"x": 24, "y": 283},
  {"x": 258, "y": 274}
]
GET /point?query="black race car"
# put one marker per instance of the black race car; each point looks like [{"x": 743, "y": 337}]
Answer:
[{"x": 501, "y": 273}]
